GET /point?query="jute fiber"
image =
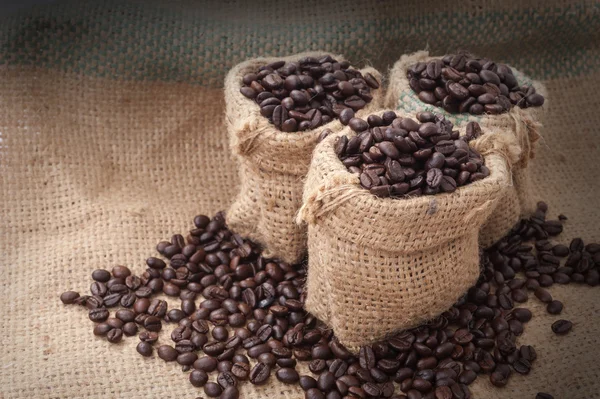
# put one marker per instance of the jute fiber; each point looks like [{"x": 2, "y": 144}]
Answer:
[
  {"x": 112, "y": 138},
  {"x": 523, "y": 123},
  {"x": 272, "y": 165},
  {"x": 380, "y": 265}
]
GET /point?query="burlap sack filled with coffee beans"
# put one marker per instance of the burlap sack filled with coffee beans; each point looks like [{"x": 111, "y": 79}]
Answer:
[
  {"x": 272, "y": 165},
  {"x": 379, "y": 265},
  {"x": 523, "y": 123}
]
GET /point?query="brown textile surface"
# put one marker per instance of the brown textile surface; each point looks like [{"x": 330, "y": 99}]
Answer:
[
  {"x": 380, "y": 265},
  {"x": 96, "y": 172},
  {"x": 117, "y": 139},
  {"x": 272, "y": 165}
]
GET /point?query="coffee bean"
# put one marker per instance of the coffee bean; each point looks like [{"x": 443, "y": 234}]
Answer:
[
  {"x": 543, "y": 295},
  {"x": 144, "y": 349},
  {"x": 148, "y": 336},
  {"x": 206, "y": 363},
  {"x": 130, "y": 329},
  {"x": 314, "y": 393},
  {"x": 326, "y": 381},
  {"x": 98, "y": 315},
  {"x": 114, "y": 335},
  {"x": 102, "y": 329},
  {"x": 260, "y": 374},
  {"x": 554, "y": 307},
  {"x": 167, "y": 353},
  {"x": 562, "y": 327},
  {"x": 287, "y": 375},
  {"x": 212, "y": 389},
  {"x": 543, "y": 395},
  {"x": 358, "y": 125}
]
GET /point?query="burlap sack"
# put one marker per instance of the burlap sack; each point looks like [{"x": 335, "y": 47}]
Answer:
[
  {"x": 113, "y": 138},
  {"x": 377, "y": 266},
  {"x": 523, "y": 123},
  {"x": 272, "y": 165}
]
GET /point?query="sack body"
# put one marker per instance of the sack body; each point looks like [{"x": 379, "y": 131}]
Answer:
[
  {"x": 380, "y": 265},
  {"x": 272, "y": 165},
  {"x": 519, "y": 200}
]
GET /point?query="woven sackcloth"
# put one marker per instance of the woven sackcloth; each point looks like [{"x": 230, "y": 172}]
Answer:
[
  {"x": 523, "y": 123},
  {"x": 272, "y": 165},
  {"x": 381, "y": 265},
  {"x": 113, "y": 136}
]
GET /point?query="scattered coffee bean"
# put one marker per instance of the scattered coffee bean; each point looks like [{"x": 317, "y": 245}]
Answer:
[
  {"x": 436, "y": 360},
  {"x": 144, "y": 349},
  {"x": 167, "y": 353},
  {"x": 114, "y": 335},
  {"x": 212, "y": 389},
  {"x": 554, "y": 307},
  {"x": 562, "y": 327}
]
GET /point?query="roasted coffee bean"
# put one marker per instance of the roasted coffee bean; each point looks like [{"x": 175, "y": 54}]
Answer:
[
  {"x": 543, "y": 395},
  {"x": 554, "y": 307},
  {"x": 314, "y": 393},
  {"x": 212, "y": 389},
  {"x": 226, "y": 379},
  {"x": 206, "y": 363},
  {"x": 287, "y": 375},
  {"x": 167, "y": 353},
  {"x": 114, "y": 335},
  {"x": 98, "y": 315},
  {"x": 144, "y": 349},
  {"x": 148, "y": 336},
  {"x": 561, "y": 327},
  {"x": 462, "y": 78},
  {"x": 543, "y": 295},
  {"x": 152, "y": 323},
  {"x": 260, "y": 374},
  {"x": 130, "y": 329},
  {"x": 326, "y": 381}
]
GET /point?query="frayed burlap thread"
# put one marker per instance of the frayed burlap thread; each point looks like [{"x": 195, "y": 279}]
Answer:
[
  {"x": 272, "y": 166},
  {"x": 523, "y": 123},
  {"x": 380, "y": 265}
]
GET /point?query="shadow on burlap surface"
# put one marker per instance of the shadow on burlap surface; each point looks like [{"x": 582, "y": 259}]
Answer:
[{"x": 95, "y": 171}]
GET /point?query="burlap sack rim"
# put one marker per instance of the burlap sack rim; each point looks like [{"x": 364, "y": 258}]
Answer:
[
  {"x": 253, "y": 132},
  {"x": 398, "y": 82},
  {"x": 342, "y": 193}
]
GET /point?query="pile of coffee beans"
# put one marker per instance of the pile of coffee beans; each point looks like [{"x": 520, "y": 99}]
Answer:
[
  {"x": 401, "y": 157},
  {"x": 241, "y": 317},
  {"x": 462, "y": 83},
  {"x": 303, "y": 95}
]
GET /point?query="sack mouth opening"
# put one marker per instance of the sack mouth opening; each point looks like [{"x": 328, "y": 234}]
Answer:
[
  {"x": 382, "y": 208},
  {"x": 398, "y": 74},
  {"x": 256, "y": 121}
]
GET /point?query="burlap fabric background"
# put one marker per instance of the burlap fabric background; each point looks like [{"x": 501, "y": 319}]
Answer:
[
  {"x": 112, "y": 138},
  {"x": 380, "y": 265},
  {"x": 272, "y": 164}
]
